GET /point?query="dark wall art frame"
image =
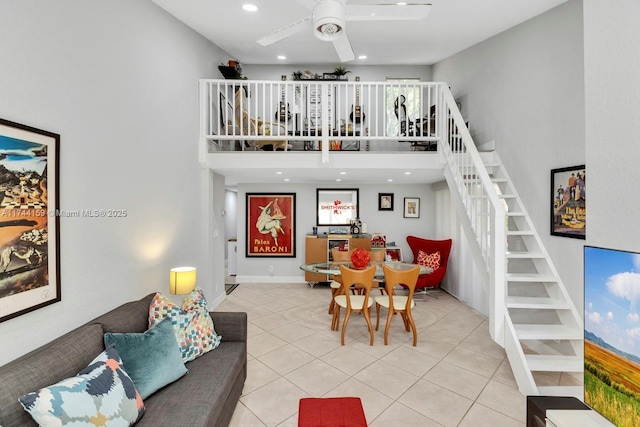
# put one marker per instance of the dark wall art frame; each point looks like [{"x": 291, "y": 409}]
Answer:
[
  {"x": 568, "y": 202},
  {"x": 337, "y": 206},
  {"x": 385, "y": 201},
  {"x": 29, "y": 223},
  {"x": 411, "y": 207},
  {"x": 271, "y": 225}
]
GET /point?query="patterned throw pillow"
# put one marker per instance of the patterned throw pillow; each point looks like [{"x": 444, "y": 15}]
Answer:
[
  {"x": 152, "y": 358},
  {"x": 429, "y": 260},
  {"x": 101, "y": 394},
  {"x": 192, "y": 324}
]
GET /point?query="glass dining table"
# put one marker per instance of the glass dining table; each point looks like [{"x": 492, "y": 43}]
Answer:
[{"x": 333, "y": 267}]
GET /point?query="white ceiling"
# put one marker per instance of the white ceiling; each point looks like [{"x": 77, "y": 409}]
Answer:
[{"x": 451, "y": 26}]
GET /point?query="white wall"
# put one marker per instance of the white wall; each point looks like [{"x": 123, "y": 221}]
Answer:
[
  {"x": 392, "y": 224},
  {"x": 118, "y": 80},
  {"x": 524, "y": 89},
  {"x": 612, "y": 67}
]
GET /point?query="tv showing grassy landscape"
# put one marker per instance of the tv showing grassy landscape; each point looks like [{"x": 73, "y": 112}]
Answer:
[{"x": 612, "y": 334}]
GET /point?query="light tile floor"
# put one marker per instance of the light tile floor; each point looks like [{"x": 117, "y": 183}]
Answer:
[{"x": 455, "y": 376}]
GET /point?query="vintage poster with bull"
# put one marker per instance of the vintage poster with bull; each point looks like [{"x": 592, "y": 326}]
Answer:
[
  {"x": 271, "y": 225},
  {"x": 29, "y": 228}
]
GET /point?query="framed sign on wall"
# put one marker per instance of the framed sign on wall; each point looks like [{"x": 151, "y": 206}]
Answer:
[
  {"x": 29, "y": 220},
  {"x": 338, "y": 206},
  {"x": 271, "y": 221}
]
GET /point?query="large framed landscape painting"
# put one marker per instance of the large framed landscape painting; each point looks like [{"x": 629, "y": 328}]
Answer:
[
  {"x": 611, "y": 331},
  {"x": 569, "y": 202},
  {"x": 29, "y": 226},
  {"x": 271, "y": 221}
]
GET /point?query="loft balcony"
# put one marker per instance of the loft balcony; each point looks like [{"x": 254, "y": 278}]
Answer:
[{"x": 319, "y": 116}]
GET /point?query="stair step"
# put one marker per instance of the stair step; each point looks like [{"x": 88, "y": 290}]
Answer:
[
  {"x": 524, "y": 255},
  {"x": 554, "y": 363},
  {"x": 520, "y": 233},
  {"x": 507, "y": 196},
  {"x": 543, "y": 303},
  {"x": 520, "y": 277},
  {"x": 572, "y": 391},
  {"x": 547, "y": 332},
  {"x": 509, "y": 213}
]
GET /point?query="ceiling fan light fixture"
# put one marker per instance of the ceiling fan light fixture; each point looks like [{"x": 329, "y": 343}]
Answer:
[{"x": 328, "y": 20}]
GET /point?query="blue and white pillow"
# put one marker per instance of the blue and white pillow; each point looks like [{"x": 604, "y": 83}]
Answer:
[{"x": 101, "y": 394}]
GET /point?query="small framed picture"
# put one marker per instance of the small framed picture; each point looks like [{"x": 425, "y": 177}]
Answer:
[
  {"x": 385, "y": 201},
  {"x": 569, "y": 202},
  {"x": 412, "y": 207}
]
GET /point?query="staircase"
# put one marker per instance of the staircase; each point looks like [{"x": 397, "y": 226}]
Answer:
[{"x": 531, "y": 314}]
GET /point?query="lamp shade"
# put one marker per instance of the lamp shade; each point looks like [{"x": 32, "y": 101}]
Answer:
[{"x": 182, "y": 280}]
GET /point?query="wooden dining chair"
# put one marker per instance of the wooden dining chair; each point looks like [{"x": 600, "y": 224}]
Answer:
[
  {"x": 378, "y": 256},
  {"x": 336, "y": 281},
  {"x": 401, "y": 304},
  {"x": 360, "y": 303}
]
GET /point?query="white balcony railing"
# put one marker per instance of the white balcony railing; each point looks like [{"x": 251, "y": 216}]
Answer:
[{"x": 276, "y": 112}]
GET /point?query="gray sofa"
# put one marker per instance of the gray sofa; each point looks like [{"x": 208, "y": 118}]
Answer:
[{"x": 206, "y": 396}]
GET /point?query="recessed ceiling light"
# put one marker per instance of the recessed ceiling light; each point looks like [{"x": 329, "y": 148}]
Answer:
[
  {"x": 282, "y": 57},
  {"x": 390, "y": 180},
  {"x": 362, "y": 57},
  {"x": 407, "y": 173},
  {"x": 278, "y": 173},
  {"x": 402, "y": 3},
  {"x": 343, "y": 173},
  {"x": 286, "y": 180},
  {"x": 250, "y": 7},
  {"x": 338, "y": 179}
]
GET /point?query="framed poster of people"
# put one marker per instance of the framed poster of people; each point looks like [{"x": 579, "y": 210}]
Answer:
[
  {"x": 271, "y": 225},
  {"x": 29, "y": 226},
  {"x": 568, "y": 202}
]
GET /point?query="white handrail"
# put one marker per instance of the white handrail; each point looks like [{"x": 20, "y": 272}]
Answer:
[{"x": 485, "y": 210}]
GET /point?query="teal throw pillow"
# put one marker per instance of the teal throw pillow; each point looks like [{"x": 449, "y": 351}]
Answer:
[
  {"x": 152, "y": 359},
  {"x": 101, "y": 394}
]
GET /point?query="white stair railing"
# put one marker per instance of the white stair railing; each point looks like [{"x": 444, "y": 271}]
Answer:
[
  {"x": 468, "y": 177},
  {"x": 531, "y": 313}
]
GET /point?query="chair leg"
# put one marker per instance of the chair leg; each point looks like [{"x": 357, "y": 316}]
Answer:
[
  {"x": 344, "y": 325},
  {"x": 405, "y": 320},
  {"x": 377, "y": 315},
  {"x": 335, "y": 321},
  {"x": 386, "y": 327},
  {"x": 332, "y": 304},
  {"x": 367, "y": 316},
  {"x": 413, "y": 327}
]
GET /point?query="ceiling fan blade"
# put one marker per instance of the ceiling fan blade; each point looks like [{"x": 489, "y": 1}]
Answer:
[
  {"x": 343, "y": 48},
  {"x": 387, "y": 12},
  {"x": 285, "y": 32},
  {"x": 309, "y": 4}
]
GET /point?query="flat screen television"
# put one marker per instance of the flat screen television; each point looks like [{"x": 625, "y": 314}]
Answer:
[{"x": 612, "y": 334}]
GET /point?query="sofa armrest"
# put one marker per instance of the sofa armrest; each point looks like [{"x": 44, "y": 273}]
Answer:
[{"x": 231, "y": 325}]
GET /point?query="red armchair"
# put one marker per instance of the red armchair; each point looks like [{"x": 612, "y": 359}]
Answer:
[{"x": 418, "y": 244}]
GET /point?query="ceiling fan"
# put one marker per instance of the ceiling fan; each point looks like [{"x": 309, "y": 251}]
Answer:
[{"x": 328, "y": 19}]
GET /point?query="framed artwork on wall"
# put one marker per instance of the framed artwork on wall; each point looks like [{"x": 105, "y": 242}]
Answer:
[
  {"x": 29, "y": 219},
  {"x": 337, "y": 206},
  {"x": 385, "y": 201},
  {"x": 411, "y": 207},
  {"x": 568, "y": 202},
  {"x": 271, "y": 225}
]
